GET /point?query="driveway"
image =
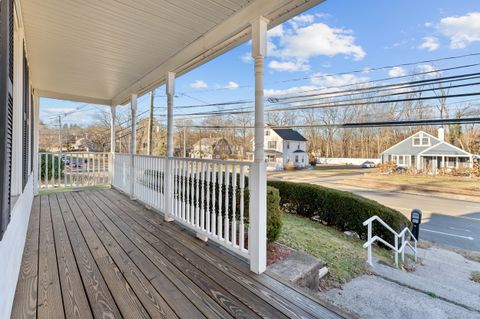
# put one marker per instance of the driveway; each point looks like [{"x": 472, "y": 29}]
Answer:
[{"x": 447, "y": 221}]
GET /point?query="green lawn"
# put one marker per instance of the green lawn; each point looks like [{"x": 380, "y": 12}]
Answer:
[{"x": 345, "y": 256}]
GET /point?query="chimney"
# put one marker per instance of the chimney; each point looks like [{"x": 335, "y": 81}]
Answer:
[{"x": 441, "y": 134}]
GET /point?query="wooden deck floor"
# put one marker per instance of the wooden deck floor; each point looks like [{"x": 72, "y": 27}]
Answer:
[{"x": 97, "y": 254}]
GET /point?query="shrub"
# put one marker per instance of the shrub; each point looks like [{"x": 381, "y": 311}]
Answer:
[
  {"x": 387, "y": 167},
  {"x": 274, "y": 213},
  {"x": 53, "y": 162},
  {"x": 343, "y": 210}
]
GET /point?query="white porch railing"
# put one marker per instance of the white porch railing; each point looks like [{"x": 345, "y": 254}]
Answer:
[
  {"x": 207, "y": 196},
  {"x": 405, "y": 236},
  {"x": 70, "y": 170}
]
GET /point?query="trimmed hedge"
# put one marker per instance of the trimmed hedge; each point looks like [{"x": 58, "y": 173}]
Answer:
[
  {"x": 274, "y": 213},
  {"x": 343, "y": 210}
]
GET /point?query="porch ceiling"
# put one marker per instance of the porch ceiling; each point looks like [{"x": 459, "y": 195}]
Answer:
[{"x": 102, "y": 51}]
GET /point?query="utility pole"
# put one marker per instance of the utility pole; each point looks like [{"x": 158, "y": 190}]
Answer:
[
  {"x": 184, "y": 142},
  {"x": 60, "y": 133},
  {"x": 150, "y": 124}
]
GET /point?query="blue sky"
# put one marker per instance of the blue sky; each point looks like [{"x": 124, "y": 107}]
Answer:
[{"x": 333, "y": 37}]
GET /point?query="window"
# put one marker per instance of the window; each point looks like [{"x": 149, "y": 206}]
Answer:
[
  {"x": 288, "y": 145},
  {"x": 298, "y": 146},
  {"x": 451, "y": 162},
  {"x": 267, "y": 132},
  {"x": 421, "y": 141},
  {"x": 270, "y": 158},
  {"x": 272, "y": 144},
  {"x": 296, "y": 158},
  {"x": 402, "y": 160}
]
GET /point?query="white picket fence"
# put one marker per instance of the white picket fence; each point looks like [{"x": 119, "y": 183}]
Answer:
[
  {"x": 207, "y": 196},
  {"x": 72, "y": 170}
]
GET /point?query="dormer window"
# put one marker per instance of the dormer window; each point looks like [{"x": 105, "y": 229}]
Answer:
[{"x": 421, "y": 141}]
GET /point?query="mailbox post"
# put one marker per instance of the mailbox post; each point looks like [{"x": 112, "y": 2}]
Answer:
[{"x": 416, "y": 219}]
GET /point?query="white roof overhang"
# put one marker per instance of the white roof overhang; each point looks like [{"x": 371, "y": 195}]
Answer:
[{"x": 104, "y": 51}]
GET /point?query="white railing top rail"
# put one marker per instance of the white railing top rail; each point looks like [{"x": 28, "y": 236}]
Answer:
[
  {"x": 396, "y": 235},
  {"x": 373, "y": 218}
]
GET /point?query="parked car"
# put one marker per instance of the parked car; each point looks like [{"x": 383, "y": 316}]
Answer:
[{"x": 368, "y": 164}]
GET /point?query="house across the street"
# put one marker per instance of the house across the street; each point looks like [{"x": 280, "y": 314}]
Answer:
[
  {"x": 284, "y": 146},
  {"x": 428, "y": 153},
  {"x": 212, "y": 148}
]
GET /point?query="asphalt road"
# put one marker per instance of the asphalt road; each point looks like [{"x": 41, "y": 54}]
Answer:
[{"x": 446, "y": 221}]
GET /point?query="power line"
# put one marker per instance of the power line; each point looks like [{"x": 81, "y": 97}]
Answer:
[
  {"x": 362, "y": 71},
  {"x": 419, "y": 122}
]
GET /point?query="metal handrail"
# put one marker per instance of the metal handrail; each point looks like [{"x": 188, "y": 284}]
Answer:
[{"x": 397, "y": 236}]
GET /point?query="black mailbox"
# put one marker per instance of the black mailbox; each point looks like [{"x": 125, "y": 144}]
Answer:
[{"x": 416, "y": 218}]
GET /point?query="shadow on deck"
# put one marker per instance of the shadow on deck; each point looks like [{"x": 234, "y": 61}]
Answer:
[{"x": 97, "y": 254}]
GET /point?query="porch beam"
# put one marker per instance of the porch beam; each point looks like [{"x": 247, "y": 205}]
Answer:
[
  {"x": 133, "y": 143},
  {"x": 73, "y": 98},
  {"x": 257, "y": 238}
]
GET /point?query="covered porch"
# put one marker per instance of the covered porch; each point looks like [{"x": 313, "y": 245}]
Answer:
[{"x": 97, "y": 254}]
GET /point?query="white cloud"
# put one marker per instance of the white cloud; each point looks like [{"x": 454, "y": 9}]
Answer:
[
  {"x": 247, "y": 58},
  {"x": 230, "y": 86},
  {"x": 58, "y": 110},
  {"x": 302, "y": 20},
  {"x": 431, "y": 70},
  {"x": 199, "y": 84},
  {"x": 305, "y": 39},
  {"x": 292, "y": 90},
  {"x": 319, "y": 39},
  {"x": 396, "y": 71},
  {"x": 331, "y": 81},
  {"x": 428, "y": 24},
  {"x": 429, "y": 43},
  {"x": 461, "y": 30},
  {"x": 288, "y": 66},
  {"x": 276, "y": 32}
]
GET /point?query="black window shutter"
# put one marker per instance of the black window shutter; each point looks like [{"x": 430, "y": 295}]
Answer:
[
  {"x": 26, "y": 111},
  {"x": 6, "y": 110}
]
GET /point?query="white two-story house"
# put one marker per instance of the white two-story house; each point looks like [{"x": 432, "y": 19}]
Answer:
[{"x": 284, "y": 146}]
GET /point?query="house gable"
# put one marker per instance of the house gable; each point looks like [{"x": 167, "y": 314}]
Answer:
[
  {"x": 444, "y": 149},
  {"x": 406, "y": 146}
]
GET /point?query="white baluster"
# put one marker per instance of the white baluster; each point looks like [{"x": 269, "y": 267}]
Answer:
[
  {"x": 207, "y": 209},
  {"x": 234, "y": 205},
  {"x": 225, "y": 217},
  {"x": 220, "y": 198},
  {"x": 214, "y": 190},
  {"x": 241, "y": 240}
]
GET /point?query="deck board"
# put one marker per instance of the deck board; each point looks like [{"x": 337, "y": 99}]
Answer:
[{"x": 97, "y": 254}]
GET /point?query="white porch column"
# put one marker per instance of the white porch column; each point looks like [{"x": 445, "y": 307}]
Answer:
[
  {"x": 257, "y": 239},
  {"x": 170, "y": 91},
  {"x": 36, "y": 136},
  {"x": 111, "y": 161},
  {"x": 133, "y": 144}
]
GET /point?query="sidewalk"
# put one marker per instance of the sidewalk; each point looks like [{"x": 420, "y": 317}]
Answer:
[{"x": 440, "y": 287}]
